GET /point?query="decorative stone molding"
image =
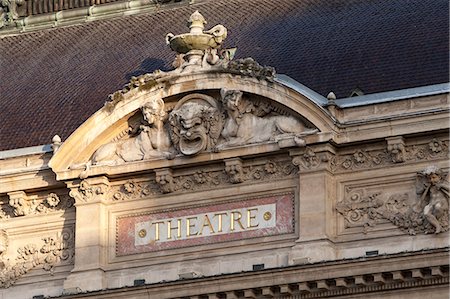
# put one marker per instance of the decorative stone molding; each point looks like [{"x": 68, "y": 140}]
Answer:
[
  {"x": 427, "y": 213},
  {"x": 313, "y": 158},
  {"x": 360, "y": 209},
  {"x": 396, "y": 147},
  {"x": 47, "y": 254},
  {"x": 169, "y": 181},
  {"x": 164, "y": 179},
  {"x": 364, "y": 159},
  {"x": 8, "y": 11},
  {"x": 20, "y": 204},
  {"x": 250, "y": 68},
  {"x": 89, "y": 190},
  {"x": 19, "y": 201},
  {"x": 341, "y": 286},
  {"x": 234, "y": 170}
]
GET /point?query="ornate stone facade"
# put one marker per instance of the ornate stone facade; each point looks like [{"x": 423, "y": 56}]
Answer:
[{"x": 217, "y": 170}]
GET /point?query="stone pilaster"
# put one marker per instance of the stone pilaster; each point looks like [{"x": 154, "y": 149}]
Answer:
[
  {"x": 316, "y": 193},
  {"x": 90, "y": 234}
]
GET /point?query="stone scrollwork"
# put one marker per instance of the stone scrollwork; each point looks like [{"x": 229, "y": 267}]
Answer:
[
  {"x": 195, "y": 124},
  {"x": 20, "y": 204},
  {"x": 86, "y": 192},
  {"x": 360, "y": 209},
  {"x": 427, "y": 213},
  {"x": 309, "y": 159},
  {"x": 396, "y": 152},
  {"x": 249, "y": 67},
  {"x": 47, "y": 254}
]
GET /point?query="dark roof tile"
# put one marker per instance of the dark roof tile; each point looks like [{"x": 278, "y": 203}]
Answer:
[{"x": 53, "y": 80}]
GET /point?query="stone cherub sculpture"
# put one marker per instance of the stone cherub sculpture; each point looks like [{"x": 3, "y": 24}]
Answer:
[
  {"x": 150, "y": 140},
  {"x": 244, "y": 127},
  {"x": 434, "y": 197}
]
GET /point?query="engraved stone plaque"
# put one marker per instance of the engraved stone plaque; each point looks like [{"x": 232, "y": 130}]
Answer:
[{"x": 209, "y": 224}]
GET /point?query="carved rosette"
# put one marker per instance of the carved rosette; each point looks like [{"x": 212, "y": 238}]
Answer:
[
  {"x": 396, "y": 152},
  {"x": 21, "y": 204}
]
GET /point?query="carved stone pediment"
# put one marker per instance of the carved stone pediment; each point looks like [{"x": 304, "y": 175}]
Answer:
[{"x": 208, "y": 103}]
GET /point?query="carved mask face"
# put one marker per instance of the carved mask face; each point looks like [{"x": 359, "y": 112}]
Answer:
[
  {"x": 434, "y": 178},
  {"x": 192, "y": 128}
]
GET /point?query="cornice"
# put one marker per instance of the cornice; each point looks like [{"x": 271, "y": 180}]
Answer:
[{"x": 318, "y": 280}]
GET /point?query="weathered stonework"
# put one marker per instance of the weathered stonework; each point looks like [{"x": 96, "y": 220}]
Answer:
[
  {"x": 426, "y": 213},
  {"x": 46, "y": 254},
  {"x": 219, "y": 169}
]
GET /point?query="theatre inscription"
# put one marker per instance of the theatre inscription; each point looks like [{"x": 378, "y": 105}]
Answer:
[{"x": 259, "y": 217}]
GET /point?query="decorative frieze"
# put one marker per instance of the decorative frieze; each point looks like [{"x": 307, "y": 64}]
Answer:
[
  {"x": 89, "y": 190},
  {"x": 164, "y": 179},
  {"x": 49, "y": 252},
  {"x": 396, "y": 147},
  {"x": 167, "y": 180},
  {"x": 308, "y": 158},
  {"x": 365, "y": 159},
  {"x": 234, "y": 169},
  {"x": 427, "y": 212},
  {"x": 20, "y": 204}
]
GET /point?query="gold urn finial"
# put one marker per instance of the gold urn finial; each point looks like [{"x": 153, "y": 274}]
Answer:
[{"x": 197, "y": 23}]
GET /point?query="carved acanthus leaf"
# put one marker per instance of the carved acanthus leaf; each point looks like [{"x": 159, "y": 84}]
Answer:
[
  {"x": 250, "y": 68},
  {"x": 85, "y": 192},
  {"x": 428, "y": 213},
  {"x": 364, "y": 159},
  {"x": 50, "y": 252},
  {"x": 20, "y": 204}
]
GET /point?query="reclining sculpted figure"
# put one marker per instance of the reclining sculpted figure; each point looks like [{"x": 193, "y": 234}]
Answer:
[
  {"x": 151, "y": 140},
  {"x": 243, "y": 127}
]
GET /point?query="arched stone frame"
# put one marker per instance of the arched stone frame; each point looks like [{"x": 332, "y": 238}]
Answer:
[{"x": 106, "y": 123}]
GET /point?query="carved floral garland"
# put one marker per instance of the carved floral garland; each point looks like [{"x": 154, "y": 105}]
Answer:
[
  {"x": 53, "y": 250},
  {"x": 359, "y": 209}
]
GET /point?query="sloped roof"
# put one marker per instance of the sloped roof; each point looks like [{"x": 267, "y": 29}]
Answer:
[{"x": 54, "y": 79}]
